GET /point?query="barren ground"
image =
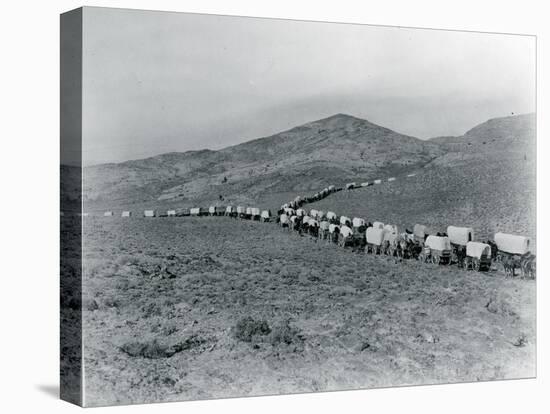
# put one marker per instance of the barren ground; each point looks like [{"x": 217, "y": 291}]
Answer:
[{"x": 193, "y": 308}]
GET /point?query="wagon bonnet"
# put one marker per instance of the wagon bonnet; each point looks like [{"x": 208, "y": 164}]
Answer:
[
  {"x": 375, "y": 235},
  {"x": 477, "y": 249},
  {"x": 511, "y": 243},
  {"x": 460, "y": 235}
]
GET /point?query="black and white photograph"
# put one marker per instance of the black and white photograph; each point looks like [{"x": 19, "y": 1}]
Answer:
[
  {"x": 265, "y": 206},
  {"x": 273, "y": 207}
]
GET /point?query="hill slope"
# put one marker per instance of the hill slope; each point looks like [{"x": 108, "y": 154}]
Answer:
[
  {"x": 486, "y": 179},
  {"x": 330, "y": 150}
]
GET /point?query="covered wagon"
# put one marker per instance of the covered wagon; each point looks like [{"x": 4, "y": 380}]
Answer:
[
  {"x": 344, "y": 220},
  {"x": 241, "y": 211},
  {"x": 255, "y": 213},
  {"x": 460, "y": 235},
  {"x": 313, "y": 212},
  {"x": 378, "y": 225},
  {"x": 266, "y": 215},
  {"x": 331, "y": 215},
  {"x": 365, "y": 184},
  {"x": 126, "y": 214},
  {"x": 212, "y": 211},
  {"x": 171, "y": 213},
  {"x": 149, "y": 213},
  {"x": 300, "y": 212},
  {"x": 183, "y": 212},
  {"x": 331, "y": 188},
  {"x": 195, "y": 211},
  {"x": 439, "y": 249},
  {"x": 350, "y": 186},
  {"x": 378, "y": 181},
  {"x": 478, "y": 256},
  {"x": 375, "y": 238},
  {"x": 108, "y": 214},
  {"x": 512, "y": 244},
  {"x": 346, "y": 236},
  {"x": 229, "y": 211},
  {"x": 391, "y": 179},
  {"x": 323, "y": 229}
]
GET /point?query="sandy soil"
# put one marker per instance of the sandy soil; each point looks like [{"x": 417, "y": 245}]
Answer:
[{"x": 191, "y": 308}]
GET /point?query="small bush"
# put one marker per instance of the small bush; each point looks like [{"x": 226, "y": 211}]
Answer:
[{"x": 248, "y": 329}]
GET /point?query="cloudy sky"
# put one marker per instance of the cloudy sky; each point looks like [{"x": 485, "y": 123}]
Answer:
[{"x": 155, "y": 82}]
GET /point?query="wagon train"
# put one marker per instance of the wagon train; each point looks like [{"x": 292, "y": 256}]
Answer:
[{"x": 457, "y": 245}]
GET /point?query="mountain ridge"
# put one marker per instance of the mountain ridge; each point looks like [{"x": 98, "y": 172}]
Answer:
[{"x": 331, "y": 150}]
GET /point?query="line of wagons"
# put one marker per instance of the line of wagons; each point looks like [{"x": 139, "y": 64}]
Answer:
[
  {"x": 457, "y": 245},
  {"x": 249, "y": 213}
]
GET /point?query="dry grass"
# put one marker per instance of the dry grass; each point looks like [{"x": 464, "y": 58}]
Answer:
[{"x": 318, "y": 317}]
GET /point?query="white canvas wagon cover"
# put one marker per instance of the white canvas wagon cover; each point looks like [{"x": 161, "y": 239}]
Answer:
[
  {"x": 171, "y": 213},
  {"x": 511, "y": 243},
  {"x": 365, "y": 184},
  {"x": 321, "y": 214},
  {"x": 477, "y": 249},
  {"x": 343, "y": 220},
  {"x": 391, "y": 228},
  {"x": 212, "y": 209},
  {"x": 346, "y": 231},
  {"x": 240, "y": 209},
  {"x": 149, "y": 213},
  {"x": 126, "y": 214},
  {"x": 229, "y": 209},
  {"x": 358, "y": 222},
  {"x": 195, "y": 211},
  {"x": 331, "y": 215},
  {"x": 378, "y": 225},
  {"x": 391, "y": 179},
  {"x": 324, "y": 225},
  {"x": 438, "y": 243},
  {"x": 255, "y": 211},
  {"x": 350, "y": 185},
  {"x": 265, "y": 214},
  {"x": 377, "y": 181},
  {"x": 460, "y": 235},
  {"x": 375, "y": 235},
  {"x": 108, "y": 214},
  {"x": 331, "y": 188},
  {"x": 284, "y": 218},
  {"x": 313, "y": 212},
  {"x": 300, "y": 212}
]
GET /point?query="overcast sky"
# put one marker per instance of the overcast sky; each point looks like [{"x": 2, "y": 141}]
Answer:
[{"x": 156, "y": 82}]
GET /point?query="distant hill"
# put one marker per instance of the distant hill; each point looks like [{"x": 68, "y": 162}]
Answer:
[
  {"x": 331, "y": 150},
  {"x": 498, "y": 139},
  {"x": 485, "y": 179}
]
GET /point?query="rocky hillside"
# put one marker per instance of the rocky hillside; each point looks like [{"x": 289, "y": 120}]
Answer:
[{"x": 330, "y": 150}]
